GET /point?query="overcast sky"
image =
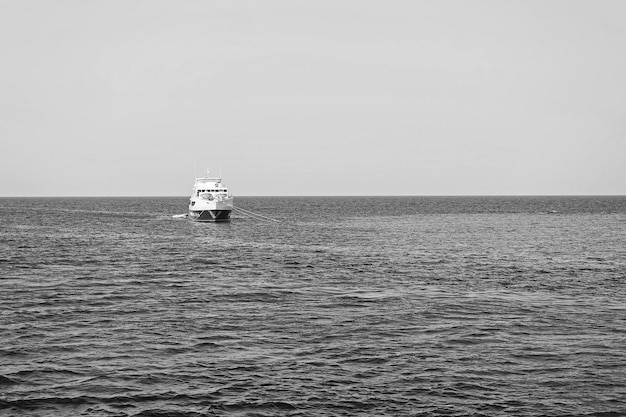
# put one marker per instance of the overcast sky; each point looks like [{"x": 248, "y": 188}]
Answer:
[{"x": 292, "y": 97}]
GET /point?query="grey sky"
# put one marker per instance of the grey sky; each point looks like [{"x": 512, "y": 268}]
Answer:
[{"x": 313, "y": 97}]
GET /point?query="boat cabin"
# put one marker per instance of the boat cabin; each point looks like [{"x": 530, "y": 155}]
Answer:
[
  {"x": 212, "y": 190},
  {"x": 209, "y": 185}
]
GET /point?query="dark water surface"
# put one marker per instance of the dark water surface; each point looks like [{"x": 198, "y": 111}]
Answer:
[{"x": 407, "y": 306}]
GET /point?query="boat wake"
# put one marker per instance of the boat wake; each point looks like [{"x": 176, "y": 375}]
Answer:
[
  {"x": 255, "y": 216},
  {"x": 243, "y": 212}
]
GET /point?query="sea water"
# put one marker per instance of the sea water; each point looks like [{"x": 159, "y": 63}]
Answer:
[{"x": 355, "y": 306}]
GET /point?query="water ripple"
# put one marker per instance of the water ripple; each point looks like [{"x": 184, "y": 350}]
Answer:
[{"x": 438, "y": 307}]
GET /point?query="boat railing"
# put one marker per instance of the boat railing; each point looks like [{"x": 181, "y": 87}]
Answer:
[{"x": 208, "y": 179}]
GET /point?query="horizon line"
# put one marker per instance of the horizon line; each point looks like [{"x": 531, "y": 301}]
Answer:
[{"x": 324, "y": 196}]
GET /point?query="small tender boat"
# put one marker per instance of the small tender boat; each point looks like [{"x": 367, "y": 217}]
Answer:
[{"x": 210, "y": 201}]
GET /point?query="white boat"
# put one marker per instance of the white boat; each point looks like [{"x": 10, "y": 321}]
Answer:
[{"x": 210, "y": 201}]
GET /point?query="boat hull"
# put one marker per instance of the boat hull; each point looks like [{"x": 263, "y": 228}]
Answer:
[{"x": 210, "y": 215}]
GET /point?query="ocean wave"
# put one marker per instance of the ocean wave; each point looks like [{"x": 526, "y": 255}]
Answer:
[{"x": 442, "y": 312}]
